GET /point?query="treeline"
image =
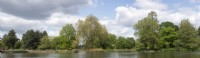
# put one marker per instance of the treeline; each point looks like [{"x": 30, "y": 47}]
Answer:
[
  {"x": 154, "y": 36},
  {"x": 90, "y": 34}
]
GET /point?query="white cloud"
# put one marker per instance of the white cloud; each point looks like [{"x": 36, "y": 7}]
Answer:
[
  {"x": 40, "y": 9},
  {"x": 60, "y": 18},
  {"x": 9, "y": 22},
  {"x": 57, "y": 20},
  {"x": 150, "y": 4},
  {"x": 121, "y": 25},
  {"x": 52, "y": 24},
  {"x": 127, "y": 16},
  {"x": 114, "y": 27},
  {"x": 194, "y": 1}
]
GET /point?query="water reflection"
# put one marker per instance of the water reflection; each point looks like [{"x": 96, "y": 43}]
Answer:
[{"x": 84, "y": 54}]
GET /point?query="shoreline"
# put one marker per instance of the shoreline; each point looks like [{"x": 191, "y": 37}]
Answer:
[
  {"x": 86, "y": 50},
  {"x": 68, "y": 51}
]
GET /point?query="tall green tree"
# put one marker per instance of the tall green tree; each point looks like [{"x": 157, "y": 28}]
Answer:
[
  {"x": 147, "y": 31},
  {"x": 69, "y": 35},
  {"x": 31, "y": 39},
  {"x": 187, "y": 35},
  {"x": 67, "y": 38},
  {"x": 10, "y": 39},
  {"x": 104, "y": 38},
  {"x": 167, "y": 34},
  {"x": 27, "y": 38},
  {"x": 92, "y": 32}
]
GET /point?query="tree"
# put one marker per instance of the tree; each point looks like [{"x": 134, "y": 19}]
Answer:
[
  {"x": 45, "y": 43},
  {"x": 130, "y": 42},
  {"x": 121, "y": 42},
  {"x": 67, "y": 38},
  {"x": 147, "y": 31},
  {"x": 112, "y": 41},
  {"x": 69, "y": 34},
  {"x": 55, "y": 43},
  {"x": 10, "y": 39},
  {"x": 27, "y": 38},
  {"x": 44, "y": 33},
  {"x": 104, "y": 38},
  {"x": 31, "y": 39},
  {"x": 93, "y": 33},
  {"x": 18, "y": 45},
  {"x": 199, "y": 32},
  {"x": 168, "y": 34},
  {"x": 59, "y": 43},
  {"x": 125, "y": 43},
  {"x": 187, "y": 35},
  {"x": 168, "y": 24},
  {"x": 2, "y": 45}
]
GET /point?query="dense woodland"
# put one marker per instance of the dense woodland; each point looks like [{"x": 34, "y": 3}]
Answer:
[{"x": 150, "y": 35}]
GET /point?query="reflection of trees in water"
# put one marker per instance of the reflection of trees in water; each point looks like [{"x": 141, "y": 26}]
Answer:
[
  {"x": 169, "y": 54},
  {"x": 85, "y": 54}
]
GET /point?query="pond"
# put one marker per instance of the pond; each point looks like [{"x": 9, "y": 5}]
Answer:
[{"x": 106, "y": 55}]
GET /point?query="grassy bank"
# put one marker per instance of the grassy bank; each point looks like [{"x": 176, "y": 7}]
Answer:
[
  {"x": 38, "y": 51},
  {"x": 69, "y": 51},
  {"x": 14, "y": 51}
]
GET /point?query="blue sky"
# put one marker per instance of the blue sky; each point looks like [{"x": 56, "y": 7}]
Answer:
[
  {"x": 118, "y": 16},
  {"x": 104, "y": 8}
]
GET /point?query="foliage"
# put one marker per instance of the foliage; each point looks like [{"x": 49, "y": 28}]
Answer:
[
  {"x": 31, "y": 39},
  {"x": 125, "y": 43},
  {"x": 198, "y": 32},
  {"x": 2, "y": 45},
  {"x": 112, "y": 41},
  {"x": 18, "y": 45},
  {"x": 68, "y": 34},
  {"x": 10, "y": 39},
  {"x": 194, "y": 43},
  {"x": 45, "y": 43},
  {"x": 130, "y": 42},
  {"x": 187, "y": 34},
  {"x": 59, "y": 43},
  {"x": 93, "y": 33},
  {"x": 139, "y": 46},
  {"x": 147, "y": 31},
  {"x": 168, "y": 34},
  {"x": 151, "y": 36},
  {"x": 67, "y": 38},
  {"x": 168, "y": 24}
]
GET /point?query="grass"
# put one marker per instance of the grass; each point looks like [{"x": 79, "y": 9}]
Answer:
[{"x": 95, "y": 50}]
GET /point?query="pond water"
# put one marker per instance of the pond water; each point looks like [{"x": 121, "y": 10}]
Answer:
[{"x": 106, "y": 55}]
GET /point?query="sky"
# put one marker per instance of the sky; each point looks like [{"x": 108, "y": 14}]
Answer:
[{"x": 118, "y": 16}]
